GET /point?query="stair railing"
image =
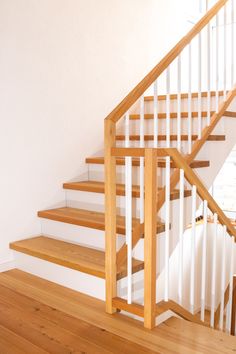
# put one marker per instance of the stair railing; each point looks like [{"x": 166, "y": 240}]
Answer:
[
  {"x": 197, "y": 42},
  {"x": 214, "y": 264}
]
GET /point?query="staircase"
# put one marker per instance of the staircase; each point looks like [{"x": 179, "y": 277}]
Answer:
[{"x": 147, "y": 189}]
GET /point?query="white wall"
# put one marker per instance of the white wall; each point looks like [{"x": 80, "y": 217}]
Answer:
[{"x": 64, "y": 65}]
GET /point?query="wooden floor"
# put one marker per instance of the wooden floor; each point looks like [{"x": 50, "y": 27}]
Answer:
[{"x": 37, "y": 316}]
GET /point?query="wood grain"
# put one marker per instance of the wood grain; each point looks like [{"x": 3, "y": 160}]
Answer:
[
  {"x": 99, "y": 187},
  {"x": 178, "y": 310},
  {"x": 90, "y": 219},
  {"x": 111, "y": 220},
  {"x": 12, "y": 343},
  {"x": 233, "y": 313},
  {"x": 173, "y": 115},
  {"x": 172, "y": 137},
  {"x": 133, "y": 308},
  {"x": 136, "y": 162},
  {"x": 83, "y": 259},
  {"x": 39, "y": 326},
  {"x": 183, "y": 96},
  {"x": 175, "y": 336},
  {"x": 150, "y": 252},
  {"x": 217, "y": 312},
  {"x": 193, "y": 179}
]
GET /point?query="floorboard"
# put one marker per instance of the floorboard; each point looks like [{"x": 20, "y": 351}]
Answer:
[{"x": 37, "y": 316}]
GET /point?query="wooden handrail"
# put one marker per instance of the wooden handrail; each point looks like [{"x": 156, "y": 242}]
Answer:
[
  {"x": 193, "y": 179},
  {"x": 139, "y": 90}
]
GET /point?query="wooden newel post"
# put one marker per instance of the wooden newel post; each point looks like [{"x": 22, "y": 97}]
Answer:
[
  {"x": 150, "y": 221},
  {"x": 233, "y": 313},
  {"x": 110, "y": 215}
]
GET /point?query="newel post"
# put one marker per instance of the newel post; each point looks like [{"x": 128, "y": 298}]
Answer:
[
  {"x": 110, "y": 215},
  {"x": 150, "y": 220}
]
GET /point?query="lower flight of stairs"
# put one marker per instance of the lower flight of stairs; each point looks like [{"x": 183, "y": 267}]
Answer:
[
  {"x": 80, "y": 257},
  {"x": 59, "y": 253}
]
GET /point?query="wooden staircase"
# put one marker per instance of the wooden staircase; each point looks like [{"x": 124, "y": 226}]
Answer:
[
  {"x": 113, "y": 264},
  {"x": 84, "y": 259}
]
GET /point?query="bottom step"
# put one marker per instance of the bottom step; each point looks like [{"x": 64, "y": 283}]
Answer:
[{"x": 83, "y": 259}]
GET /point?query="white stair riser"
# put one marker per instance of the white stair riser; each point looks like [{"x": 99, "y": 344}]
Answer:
[
  {"x": 96, "y": 173},
  {"x": 70, "y": 278},
  {"x": 76, "y": 234},
  {"x": 76, "y": 280},
  {"x": 95, "y": 202}
]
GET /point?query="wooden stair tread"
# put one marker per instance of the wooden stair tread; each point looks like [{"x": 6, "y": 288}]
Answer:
[
  {"x": 173, "y": 115},
  {"x": 98, "y": 187},
  {"x": 184, "y": 137},
  {"x": 87, "y": 218},
  {"x": 83, "y": 259},
  {"x": 135, "y": 162},
  {"x": 183, "y": 96}
]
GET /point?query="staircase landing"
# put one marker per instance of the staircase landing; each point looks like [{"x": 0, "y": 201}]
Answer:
[{"x": 37, "y": 316}]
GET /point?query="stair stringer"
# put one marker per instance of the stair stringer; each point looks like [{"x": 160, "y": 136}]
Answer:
[{"x": 218, "y": 154}]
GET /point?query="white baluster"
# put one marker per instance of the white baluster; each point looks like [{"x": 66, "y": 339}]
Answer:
[
  {"x": 217, "y": 62},
  {"x": 127, "y": 177},
  {"x": 129, "y": 231},
  {"x": 193, "y": 241},
  {"x": 225, "y": 51},
  {"x": 179, "y": 105},
  {"x": 155, "y": 110},
  {"x": 141, "y": 169},
  {"x": 222, "y": 296},
  {"x": 168, "y": 107},
  {"x": 199, "y": 85},
  {"x": 204, "y": 258},
  {"x": 229, "y": 311},
  {"x": 181, "y": 233},
  {"x": 190, "y": 98},
  {"x": 128, "y": 209},
  {"x": 167, "y": 227},
  {"x": 167, "y": 190},
  {"x": 232, "y": 42},
  {"x": 213, "y": 279}
]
